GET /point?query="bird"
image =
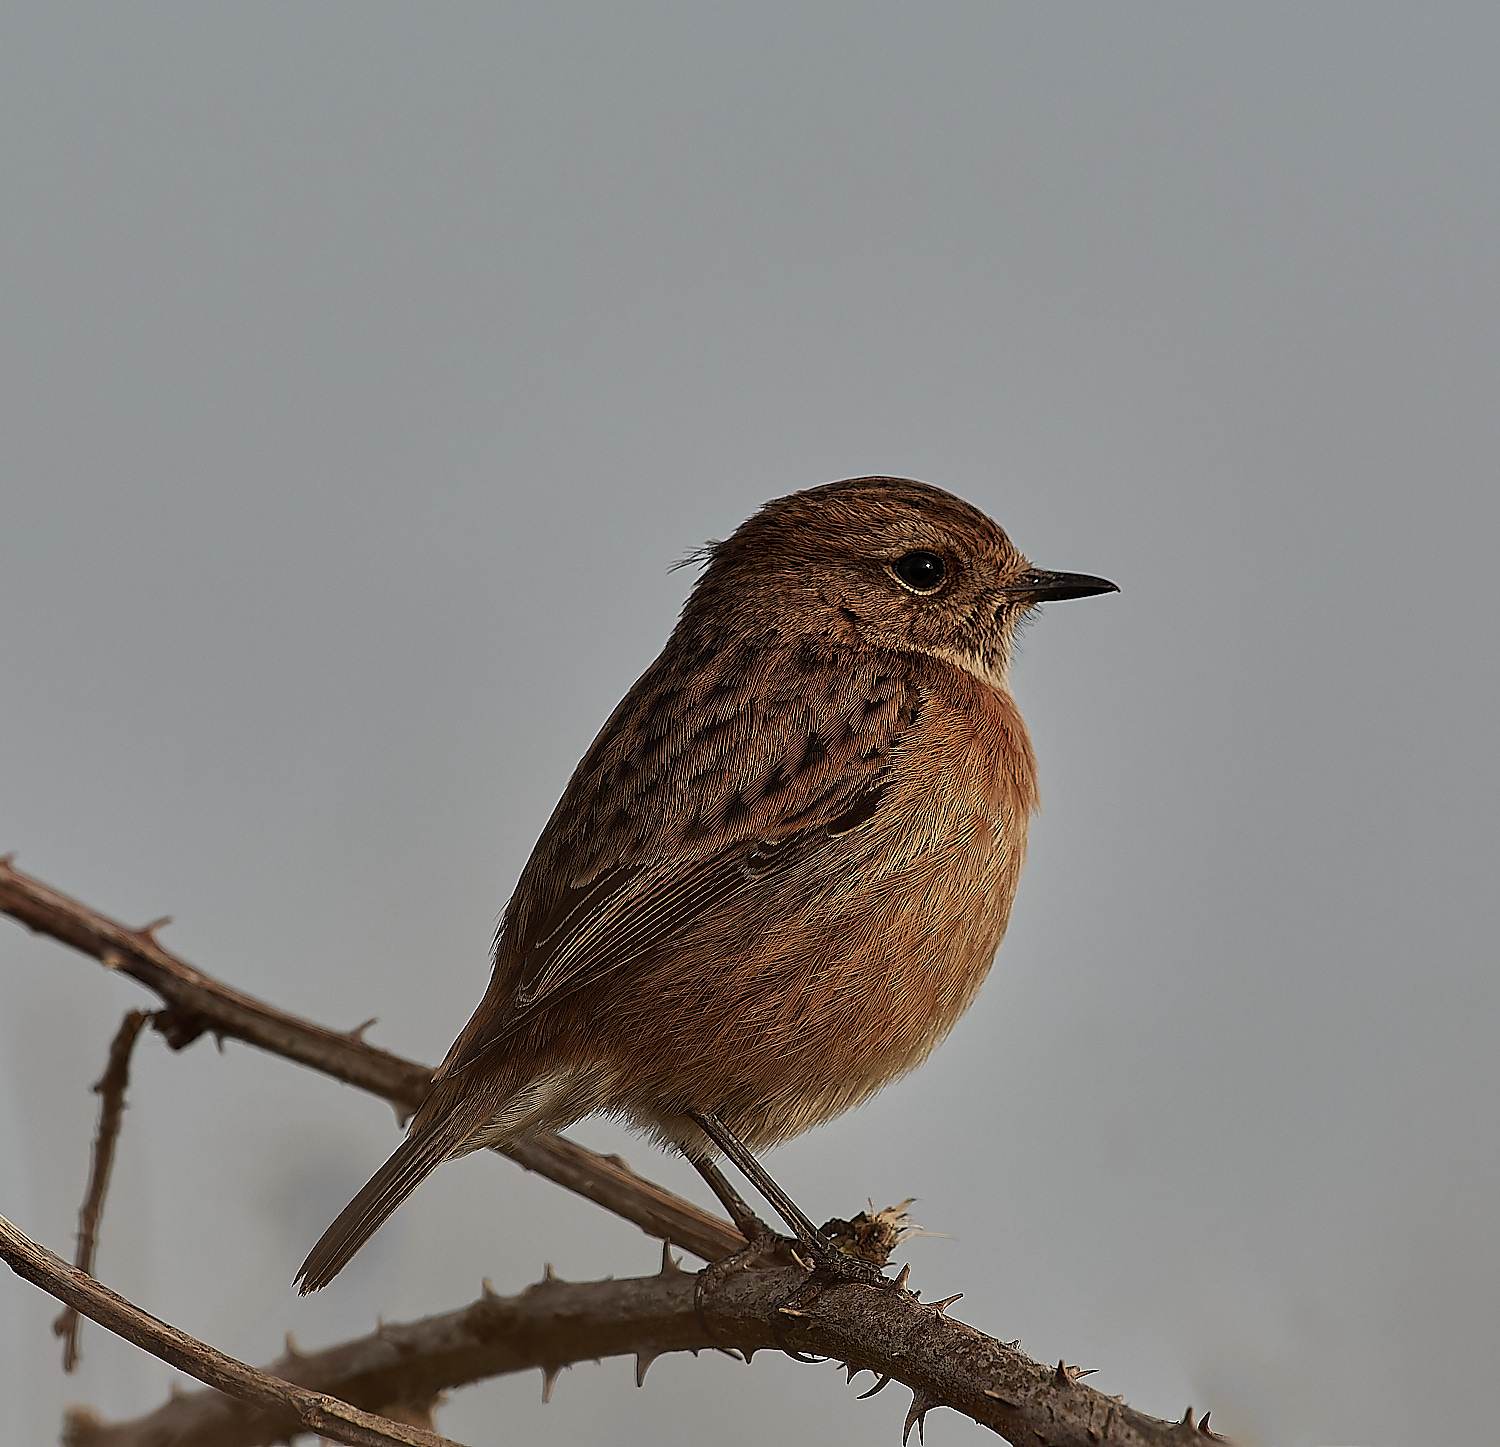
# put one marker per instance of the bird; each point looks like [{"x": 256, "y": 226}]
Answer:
[{"x": 782, "y": 869}]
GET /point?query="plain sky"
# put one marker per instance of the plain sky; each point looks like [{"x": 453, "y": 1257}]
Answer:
[{"x": 365, "y": 369}]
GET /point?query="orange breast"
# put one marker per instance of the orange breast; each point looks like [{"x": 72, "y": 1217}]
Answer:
[{"x": 879, "y": 966}]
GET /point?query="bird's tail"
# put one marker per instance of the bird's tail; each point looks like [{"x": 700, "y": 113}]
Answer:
[{"x": 412, "y": 1162}]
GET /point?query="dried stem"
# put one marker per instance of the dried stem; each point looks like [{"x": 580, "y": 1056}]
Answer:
[
  {"x": 110, "y": 1088},
  {"x": 311, "y": 1411}
]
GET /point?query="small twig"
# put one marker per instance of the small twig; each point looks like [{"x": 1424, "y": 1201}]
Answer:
[
  {"x": 314, "y": 1411},
  {"x": 110, "y": 1088},
  {"x": 198, "y": 1004}
]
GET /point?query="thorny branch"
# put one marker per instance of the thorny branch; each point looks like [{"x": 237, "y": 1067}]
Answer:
[
  {"x": 891, "y": 1333},
  {"x": 307, "y": 1410},
  {"x": 110, "y": 1088},
  {"x": 555, "y": 1323}
]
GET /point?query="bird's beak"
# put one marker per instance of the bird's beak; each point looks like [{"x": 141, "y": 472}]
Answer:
[{"x": 1041, "y": 586}]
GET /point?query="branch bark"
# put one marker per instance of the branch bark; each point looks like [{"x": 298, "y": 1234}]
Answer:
[
  {"x": 306, "y": 1410},
  {"x": 199, "y": 1004},
  {"x": 554, "y": 1323}
]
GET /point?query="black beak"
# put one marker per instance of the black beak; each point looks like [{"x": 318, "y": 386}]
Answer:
[{"x": 1041, "y": 586}]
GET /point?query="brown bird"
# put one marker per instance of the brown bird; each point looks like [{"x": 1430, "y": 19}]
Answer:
[{"x": 783, "y": 867}]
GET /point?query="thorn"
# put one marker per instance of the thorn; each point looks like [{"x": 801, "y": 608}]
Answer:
[
  {"x": 1060, "y": 1377},
  {"x": 548, "y": 1274},
  {"x": 176, "y": 1394},
  {"x": 670, "y": 1265},
  {"x": 487, "y": 1290},
  {"x": 921, "y": 1405},
  {"x": 219, "y": 1040},
  {"x": 947, "y": 1301},
  {"x": 879, "y": 1386},
  {"x": 1006, "y": 1401},
  {"x": 1078, "y": 1373},
  {"x": 790, "y": 1311},
  {"x": 1187, "y": 1418},
  {"x": 148, "y": 931},
  {"x": 643, "y": 1362},
  {"x": 293, "y": 1354},
  {"x": 382, "y": 1328},
  {"x": 403, "y": 1114},
  {"x": 357, "y": 1034},
  {"x": 549, "y": 1380},
  {"x": 850, "y": 1372},
  {"x": 739, "y": 1356},
  {"x": 1203, "y": 1428},
  {"x": 902, "y": 1278},
  {"x": 749, "y": 1354}
]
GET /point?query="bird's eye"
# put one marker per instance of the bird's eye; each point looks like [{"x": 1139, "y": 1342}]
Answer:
[{"x": 921, "y": 571}]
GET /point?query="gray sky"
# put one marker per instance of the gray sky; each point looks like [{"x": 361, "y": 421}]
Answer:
[{"x": 365, "y": 367}]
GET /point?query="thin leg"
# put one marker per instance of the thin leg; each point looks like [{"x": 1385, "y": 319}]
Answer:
[
  {"x": 750, "y": 1225},
  {"x": 756, "y": 1174}
]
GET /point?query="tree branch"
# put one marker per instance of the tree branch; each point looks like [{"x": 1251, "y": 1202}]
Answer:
[
  {"x": 555, "y": 1323},
  {"x": 307, "y": 1410},
  {"x": 198, "y": 1004}
]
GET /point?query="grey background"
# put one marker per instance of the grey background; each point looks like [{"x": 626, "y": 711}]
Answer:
[{"x": 365, "y": 367}]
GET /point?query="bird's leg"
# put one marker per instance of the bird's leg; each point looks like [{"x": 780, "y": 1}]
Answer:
[
  {"x": 828, "y": 1260},
  {"x": 751, "y": 1227},
  {"x": 760, "y": 1239}
]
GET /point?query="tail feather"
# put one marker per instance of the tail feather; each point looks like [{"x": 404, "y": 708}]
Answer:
[{"x": 412, "y": 1162}]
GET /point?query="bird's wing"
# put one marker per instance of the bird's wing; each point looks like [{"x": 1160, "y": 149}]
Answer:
[{"x": 688, "y": 797}]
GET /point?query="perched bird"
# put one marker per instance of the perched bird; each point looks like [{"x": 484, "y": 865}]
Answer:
[{"x": 782, "y": 869}]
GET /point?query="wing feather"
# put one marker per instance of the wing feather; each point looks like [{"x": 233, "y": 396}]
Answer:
[{"x": 690, "y": 796}]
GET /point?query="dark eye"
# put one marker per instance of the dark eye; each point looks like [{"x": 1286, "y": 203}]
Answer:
[{"x": 922, "y": 572}]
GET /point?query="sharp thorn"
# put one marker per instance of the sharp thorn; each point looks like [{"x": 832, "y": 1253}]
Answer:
[
  {"x": 916, "y": 1414},
  {"x": 947, "y": 1301},
  {"x": 738, "y": 1355},
  {"x": 291, "y": 1347},
  {"x": 670, "y": 1265},
  {"x": 148, "y": 931},
  {"x": 549, "y": 1380},
  {"x": 1187, "y": 1418},
  {"x": 357, "y": 1034},
  {"x": 902, "y": 1278},
  {"x": 1203, "y": 1426},
  {"x": 487, "y": 1290},
  {"x": 643, "y": 1362},
  {"x": 1060, "y": 1377},
  {"x": 883, "y": 1383},
  {"x": 548, "y": 1274}
]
